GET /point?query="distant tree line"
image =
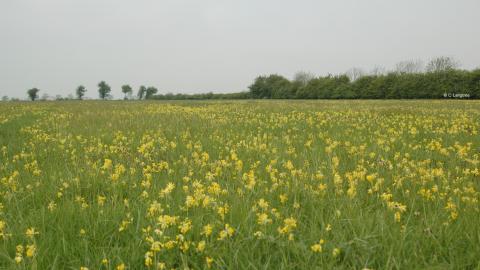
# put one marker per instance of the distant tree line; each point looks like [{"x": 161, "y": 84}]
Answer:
[
  {"x": 103, "y": 92},
  {"x": 170, "y": 96},
  {"x": 389, "y": 86},
  {"x": 440, "y": 78}
]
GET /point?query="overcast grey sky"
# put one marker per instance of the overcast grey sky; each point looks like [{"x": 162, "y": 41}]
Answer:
[{"x": 193, "y": 46}]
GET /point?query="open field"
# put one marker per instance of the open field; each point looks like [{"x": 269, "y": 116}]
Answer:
[{"x": 240, "y": 185}]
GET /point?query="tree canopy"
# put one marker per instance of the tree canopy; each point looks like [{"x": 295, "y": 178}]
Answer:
[
  {"x": 33, "y": 93},
  {"x": 81, "y": 91},
  {"x": 103, "y": 89}
]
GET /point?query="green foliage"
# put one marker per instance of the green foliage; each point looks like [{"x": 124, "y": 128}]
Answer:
[
  {"x": 170, "y": 96},
  {"x": 389, "y": 86},
  {"x": 273, "y": 86},
  {"x": 404, "y": 84},
  {"x": 443, "y": 63},
  {"x": 127, "y": 90},
  {"x": 150, "y": 91},
  {"x": 141, "y": 92},
  {"x": 394, "y": 85},
  {"x": 33, "y": 93},
  {"x": 104, "y": 90},
  {"x": 81, "y": 91}
]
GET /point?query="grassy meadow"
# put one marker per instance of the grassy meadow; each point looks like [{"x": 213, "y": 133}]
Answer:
[{"x": 240, "y": 185}]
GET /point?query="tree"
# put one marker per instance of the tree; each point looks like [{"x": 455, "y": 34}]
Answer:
[
  {"x": 378, "y": 70},
  {"x": 81, "y": 91},
  {"x": 409, "y": 66},
  {"x": 141, "y": 92},
  {"x": 443, "y": 63},
  {"x": 5, "y": 98},
  {"x": 273, "y": 86},
  {"x": 303, "y": 77},
  {"x": 150, "y": 91},
  {"x": 127, "y": 90},
  {"x": 33, "y": 93},
  {"x": 355, "y": 74},
  {"x": 103, "y": 90}
]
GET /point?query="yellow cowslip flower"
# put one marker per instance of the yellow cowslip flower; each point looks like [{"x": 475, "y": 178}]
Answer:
[
  {"x": 114, "y": 177},
  {"x": 185, "y": 226},
  {"x": 289, "y": 225},
  {"x": 2, "y": 228},
  {"x": 223, "y": 210},
  {"x": 124, "y": 225},
  {"x": 291, "y": 237},
  {"x": 262, "y": 219},
  {"x": 336, "y": 252},
  {"x": 121, "y": 266},
  {"x": 190, "y": 201},
  {"x": 207, "y": 200},
  {"x": 166, "y": 221},
  {"x": 83, "y": 268},
  {"x": 30, "y": 251},
  {"x": 398, "y": 216},
  {"x": 30, "y": 233},
  {"x": 318, "y": 246},
  {"x": 249, "y": 179},
  {"x": 156, "y": 246},
  {"x": 352, "y": 191},
  {"x": 154, "y": 208},
  {"x": 18, "y": 258},
  {"x": 101, "y": 200},
  {"x": 258, "y": 234},
  {"x": 201, "y": 246},
  {"x": 52, "y": 206},
  {"x": 209, "y": 262},
  {"x": 207, "y": 230},
  {"x": 167, "y": 190},
  {"x": 386, "y": 196},
  {"x": 84, "y": 205},
  {"x": 227, "y": 232},
  {"x": 107, "y": 164},
  {"x": 214, "y": 189},
  {"x": 289, "y": 165},
  {"x": 371, "y": 177},
  {"x": 413, "y": 131},
  {"x": 321, "y": 187},
  {"x": 239, "y": 165},
  {"x": 170, "y": 244},
  {"x": 263, "y": 204},
  {"x": 148, "y": 259}
]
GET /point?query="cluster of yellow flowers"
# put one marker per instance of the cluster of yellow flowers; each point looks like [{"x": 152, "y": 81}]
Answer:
[{"x": 189, "y": 185}]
